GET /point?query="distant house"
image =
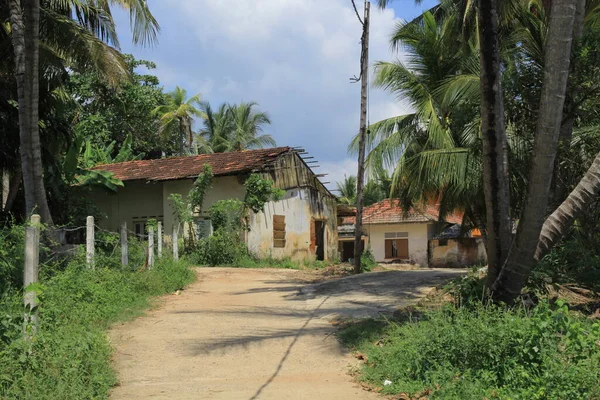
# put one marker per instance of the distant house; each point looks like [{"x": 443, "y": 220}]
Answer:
[
  {"x": 302, "y": 225},
  {"x": 398, "y": 236}
]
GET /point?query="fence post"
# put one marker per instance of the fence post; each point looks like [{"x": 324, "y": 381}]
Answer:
[
  {"x": 159, "y": 239},
  {"x": 89, "y": 241},
  {"x": 124, "y": 247},
  {"x": 175, "y": 243},
  {"x": 30, "y": 274},
  {"x": 150, "y": 247}
]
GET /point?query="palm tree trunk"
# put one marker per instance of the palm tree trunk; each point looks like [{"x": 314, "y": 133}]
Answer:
[
  {"x": 495, "y": 145},
  {"x": 24, "y": 99},
  {"x": 517, "y": 268},
  {"x": 557, "y": 224},
  {"x": 566, "y": 128},
  {"x": 32, "y": 57},
  {"x": 13, "y": 189}
]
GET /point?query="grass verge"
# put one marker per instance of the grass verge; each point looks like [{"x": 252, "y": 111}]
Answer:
[
  {"x": 480, "y": 352},
  {"x": 69, "y": 356}
]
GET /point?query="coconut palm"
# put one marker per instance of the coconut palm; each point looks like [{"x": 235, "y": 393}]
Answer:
[
  {"x": 53, "y": 34},
  {"x": 347, "y": 190},
  {"x": 216, "y": 128},
  {"x": 180, "y": 111},
  {"x": 233, "y": 128},
  {"x": 247, "y": 126}
]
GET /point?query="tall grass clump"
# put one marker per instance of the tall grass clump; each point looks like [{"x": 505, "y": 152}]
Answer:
[
  {"x": 69, "y": 356},
  {"x": 482, "y": 353}
]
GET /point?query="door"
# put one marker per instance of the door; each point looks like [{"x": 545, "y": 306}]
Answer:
[
  {"x": 320, "y": 239},
  {"x": 396, "y": 248}
]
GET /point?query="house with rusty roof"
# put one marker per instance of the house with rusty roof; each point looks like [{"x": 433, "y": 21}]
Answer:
[
  {"x": 302, "y": 225},
  {"x": 395, "y": 235}
]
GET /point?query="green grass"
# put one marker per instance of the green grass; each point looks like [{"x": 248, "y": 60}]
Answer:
[
  {"x": 482, "y": 352},
  {"x": 69, "y": 357}
]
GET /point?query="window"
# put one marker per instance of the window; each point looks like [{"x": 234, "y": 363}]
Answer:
[
  {"x": 278, "y": 230},
  {"x": 140, "y": 229},
  {"x": 396, "y": 248},
  {"x": 443, "y": 242},
  {"x": 394, "y": 235},
  {"x": 203, "y": 228}
]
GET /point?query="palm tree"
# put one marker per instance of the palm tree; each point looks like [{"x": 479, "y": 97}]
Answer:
[
  {"x": 72, "y": 31},
  {"x": 216, "y": 128},
  {"x": 247, "y": 125},
  {"x": 180, "y": 110},
  {"x": 347, "y": 190},
  {"x": 234, "y": 128}
]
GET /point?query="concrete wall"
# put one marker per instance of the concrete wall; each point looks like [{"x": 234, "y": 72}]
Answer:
[
  {"x": 460, "y": 252},
  {"x": 137, "y": 201},
  {"x": 418, "y": 236},
  {"x": 223, "y": 187},
  {"x": 297, "y": 207}
]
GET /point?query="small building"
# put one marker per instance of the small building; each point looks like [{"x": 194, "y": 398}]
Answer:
[
  {"x": 453, "y": 248},
  {"x": 395, "y": 235},
  {"x": 302, "y": 225}
]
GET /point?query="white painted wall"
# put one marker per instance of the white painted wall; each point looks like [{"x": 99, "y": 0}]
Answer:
[{"x": 418, "y": 235}]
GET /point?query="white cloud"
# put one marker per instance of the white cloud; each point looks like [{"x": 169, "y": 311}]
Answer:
[{"x": 294, "y": 57}]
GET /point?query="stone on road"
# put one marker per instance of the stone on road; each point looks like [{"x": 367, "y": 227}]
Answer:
[{"x": 254, "y": 334}]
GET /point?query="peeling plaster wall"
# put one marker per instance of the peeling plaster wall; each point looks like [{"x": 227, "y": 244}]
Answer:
[
  {"x": 418, "y": 235},
  {"x": 299, "y": 216},
  {"x": 460, "y": 252}
]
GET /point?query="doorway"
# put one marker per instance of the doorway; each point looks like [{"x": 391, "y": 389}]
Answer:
[{"x": 320, "y": 240}]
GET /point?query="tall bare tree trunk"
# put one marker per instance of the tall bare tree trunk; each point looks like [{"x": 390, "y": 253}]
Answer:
[
  {"x": 186, "y": 134},
  {"x": 13, "y": 189},
  {"x": 25, "y": 37},
  {"x": 520, "y": 262},
  {"x": 495, "y": 146},
  {"x": 566, "y": 128},
  {"x": 559, "y": 222}
]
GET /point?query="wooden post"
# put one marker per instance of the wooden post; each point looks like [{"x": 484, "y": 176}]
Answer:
[
  {"x": 124, "y": 245},
  {"x": 30, "y": 274},
  {"x": 175, "y": 243},
  {"x": 360, "y": 177},
  {"x": 159, "y": 239},
  {"x": 89, "y": 241},
  {"x": 150, "y": 247}
]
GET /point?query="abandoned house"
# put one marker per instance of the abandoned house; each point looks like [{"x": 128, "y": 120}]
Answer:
[
  {"x": 394, "y": 235},
  {"x": 302, "y": 225}
]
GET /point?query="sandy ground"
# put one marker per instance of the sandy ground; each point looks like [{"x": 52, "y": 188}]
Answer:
[{"x": 256, "y": 334}]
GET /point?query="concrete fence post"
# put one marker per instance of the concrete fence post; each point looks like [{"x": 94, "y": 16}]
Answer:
[
  {"x": 124, "y": 245},
  {"x": 89, "y": 241},
  {"x": 150, "y": 247},
  {"x": 175, "y": 241},
  {"x": 30, "y": 274},
  {"x": 159, "y": 238}
]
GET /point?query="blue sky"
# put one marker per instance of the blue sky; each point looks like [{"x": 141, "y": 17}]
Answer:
[{"x": 293, "y": 57}]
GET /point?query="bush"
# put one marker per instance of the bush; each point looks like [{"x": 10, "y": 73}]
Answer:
[
  {"x": 484, "y": 353},
  {"x": 367, "y": 260},
  {"x": 12, "y": 252},
  {"x": 69, "y": 357}
]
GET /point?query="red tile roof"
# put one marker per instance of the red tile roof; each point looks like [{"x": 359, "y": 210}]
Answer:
[
  {"x": 389, "y": 211},
  {"x": 190, "y": 166}
]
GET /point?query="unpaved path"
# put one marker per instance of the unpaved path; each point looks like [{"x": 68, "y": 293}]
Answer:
[{"x": 255, "y": 334}]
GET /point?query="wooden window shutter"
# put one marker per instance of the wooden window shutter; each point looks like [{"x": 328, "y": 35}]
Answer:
[{"x": 279, "y": 231}]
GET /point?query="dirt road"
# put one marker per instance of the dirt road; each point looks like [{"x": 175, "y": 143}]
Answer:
[{"x": 255, "y": 334}]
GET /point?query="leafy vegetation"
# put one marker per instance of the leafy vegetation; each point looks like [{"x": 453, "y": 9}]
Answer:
[
  {"x": 486, "y": 352},
  {"x": 69, "y": 356}
]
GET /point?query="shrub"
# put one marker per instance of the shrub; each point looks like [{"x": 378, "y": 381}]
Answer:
[
  {"x": 367, "y": 260},
  {"x": 460, "y": 353}
]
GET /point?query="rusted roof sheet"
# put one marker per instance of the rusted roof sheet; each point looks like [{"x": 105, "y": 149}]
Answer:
[
  {"x": 190, "y": 166},
  {"x": 389, "y": 211}
]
